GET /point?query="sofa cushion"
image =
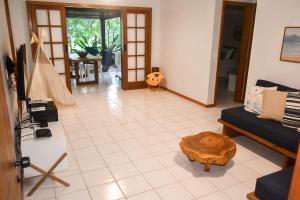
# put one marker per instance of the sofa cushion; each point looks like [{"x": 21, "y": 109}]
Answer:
[
  {"x": 270, "y": 130},
  {"x": 274, "y": 186},
  {"x": 292, "y": 111},
  {"x": 273, "y": 105},
  {"x": 254, "y": 99},
  {"x": 283, "y": 88}
]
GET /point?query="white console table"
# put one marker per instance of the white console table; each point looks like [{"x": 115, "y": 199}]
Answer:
[{"x": 46, "y": 151}]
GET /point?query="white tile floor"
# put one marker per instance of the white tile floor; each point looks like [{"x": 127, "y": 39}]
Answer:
[{"x": 124, "y": 145}]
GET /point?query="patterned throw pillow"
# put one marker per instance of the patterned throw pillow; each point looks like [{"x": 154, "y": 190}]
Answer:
[
  {"x": 254, "y": 99},
  {"x": 291, "y": 116}
]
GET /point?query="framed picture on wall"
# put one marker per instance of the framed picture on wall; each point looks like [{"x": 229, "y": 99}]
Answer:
[{"x": 291, "y": 45}]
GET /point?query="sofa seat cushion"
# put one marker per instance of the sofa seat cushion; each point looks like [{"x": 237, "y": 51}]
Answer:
[
  {"x": 274, "y": 186},
  {"x": 270, "y": 130}
]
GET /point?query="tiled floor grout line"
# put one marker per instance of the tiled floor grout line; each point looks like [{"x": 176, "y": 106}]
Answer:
[
  {"x": 139, "y": 173},
  {"x": 131, "y": 107},
  {"x": 75, "y": 159},
  {"x": 130, "y": 161},
  {"x": 108, "y": 167}
]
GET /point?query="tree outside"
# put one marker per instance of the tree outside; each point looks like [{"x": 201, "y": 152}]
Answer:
[{"x": 83, "y": 32}]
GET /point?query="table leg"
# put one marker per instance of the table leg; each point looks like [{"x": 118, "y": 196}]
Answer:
[
  {"x": 76, "y": 72},
  {"x": 96, "y": 72},
  {"x": 47, "y": 175},
  {"x": 207, "y": 167},
  {"x": 43, "y": 172}
]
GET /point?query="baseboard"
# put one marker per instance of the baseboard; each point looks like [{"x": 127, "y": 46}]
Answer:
[{"x": 189, "y": 98}]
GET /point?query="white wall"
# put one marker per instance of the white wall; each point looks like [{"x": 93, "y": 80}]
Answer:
[
  {"x": 190, "y": 32},
  {"x": 154, "y": 4},
  {"x": 271, "y": 18},
  {"x": 186, "y": 46},
  {"x": 20, "y": 26}
]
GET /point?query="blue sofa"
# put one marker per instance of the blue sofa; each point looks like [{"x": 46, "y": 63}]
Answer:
[
  {"x": 274, "y": 186},
  {"x": 268, "y": 132},
  {"x": 281, "y": 185}
]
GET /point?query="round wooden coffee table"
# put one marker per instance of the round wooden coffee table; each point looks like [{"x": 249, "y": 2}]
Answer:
[{"x": 208, "y": 148}]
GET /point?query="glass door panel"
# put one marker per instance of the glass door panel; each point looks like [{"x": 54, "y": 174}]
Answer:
[
  {"x": 141, "y": 20},
  {"x": 141, "y": 62},
  {"x": 55, "y": 17},
  {"x": 140, "y": 75},
  {"x": 47, "y": 49},
  {"x": 47, "y": 33},
  {"x": 56, "y": 34},
  {"x": 42, "y": 17},
  {"x": 59, "y": 65},
  {"x": 131, "y": 76},
  {"x": 140, "y": 49},
  {"x": 141, "y": 34},
  {"x": 58, "y": 50},
  {"x": 131, "y": 63}
]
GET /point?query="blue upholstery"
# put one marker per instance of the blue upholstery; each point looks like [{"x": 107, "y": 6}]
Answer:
[
  {"x": 274, "y": 186},
  {"x": 106, "y": 59},
  {"x": 270, "y": 130},
  {"x": 284, "y": 88}
]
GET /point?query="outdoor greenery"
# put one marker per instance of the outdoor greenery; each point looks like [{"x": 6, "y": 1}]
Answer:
[
  {"x": 113, "y": 34},
  {"x": 84, "y": 33}
]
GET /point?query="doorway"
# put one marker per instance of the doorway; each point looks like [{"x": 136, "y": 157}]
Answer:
[
  {"x": 96, "y": 33},
  {"x": 237, "y": 26}
]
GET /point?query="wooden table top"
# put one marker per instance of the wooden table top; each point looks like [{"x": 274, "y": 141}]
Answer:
[
  {"x": 208, "y": 148},
  {"x": 89, "y": 58}
]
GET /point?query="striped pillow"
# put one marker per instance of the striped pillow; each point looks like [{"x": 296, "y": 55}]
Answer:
[{"x": 292, "y": 111}]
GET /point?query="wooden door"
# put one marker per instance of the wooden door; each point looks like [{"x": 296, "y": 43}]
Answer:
[
  {"x": 245, "y": 51},
  {"x": 137, "y": 47},
  {"x": 52, "y": 19},
  {"x": 10, "y": 188}
]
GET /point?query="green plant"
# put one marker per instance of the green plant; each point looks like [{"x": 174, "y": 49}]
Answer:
[
  {"x": 84, "y": 42},
  {"x": 83, "y": 33},
  {"x": 113, "y": 34}
]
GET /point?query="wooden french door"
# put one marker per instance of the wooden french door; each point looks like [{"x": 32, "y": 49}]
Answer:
[
  {"x": 137, "y": 47},
  {"x": 10, "y": 185},
  {"x": 52, "y": 20}
]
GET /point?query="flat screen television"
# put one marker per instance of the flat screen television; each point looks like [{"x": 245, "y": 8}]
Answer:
[{"x": 20, "y": 80}]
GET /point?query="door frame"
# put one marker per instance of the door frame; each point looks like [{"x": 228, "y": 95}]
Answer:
[
  {"x": 245, "y": 47},
  {"x": 121, "y": 9}
]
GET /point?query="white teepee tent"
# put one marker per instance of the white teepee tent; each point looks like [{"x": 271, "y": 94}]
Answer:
[{"x": 45, "y": 82}]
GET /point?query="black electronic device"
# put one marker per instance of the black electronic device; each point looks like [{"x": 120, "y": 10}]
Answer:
[
  {"x": 37, "y": 103},
  {"x": 9, "y": 66},
  {"x": 20, "y": 73},
  {"x": 43, "y": 133},
  {"x": 43, "y": 124},
  {"x": 43, "y": 112}
]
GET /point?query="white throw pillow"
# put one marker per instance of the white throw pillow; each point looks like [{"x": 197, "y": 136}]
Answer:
[{"x": 254, "y": 99}]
